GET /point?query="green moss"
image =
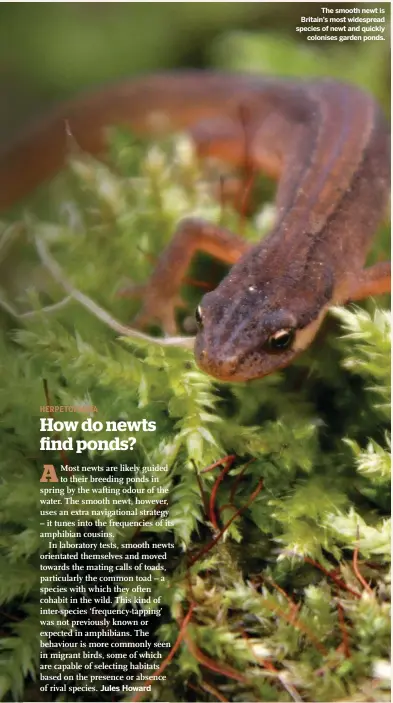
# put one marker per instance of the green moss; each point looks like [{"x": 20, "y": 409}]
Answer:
[{"x": 317, "y": 433}]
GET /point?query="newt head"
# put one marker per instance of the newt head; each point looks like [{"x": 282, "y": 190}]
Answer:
[{"x": 249, "y": 328}]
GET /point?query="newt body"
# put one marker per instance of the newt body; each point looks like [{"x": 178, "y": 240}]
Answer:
[{"x": 328, "y": 145}]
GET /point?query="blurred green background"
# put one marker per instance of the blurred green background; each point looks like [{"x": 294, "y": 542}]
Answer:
[{"x": 49, "y": 51}]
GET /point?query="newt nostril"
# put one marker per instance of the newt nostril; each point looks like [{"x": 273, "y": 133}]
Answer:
[
  {"x": 229, "y": 365},
  {"x": 220, "y": 367}
]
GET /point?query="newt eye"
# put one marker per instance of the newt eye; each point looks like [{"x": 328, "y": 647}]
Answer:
[
  {"x": 282, "y": 339},
  {"x": 198, "y": 317}
]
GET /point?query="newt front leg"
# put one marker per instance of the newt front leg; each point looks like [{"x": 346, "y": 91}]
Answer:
[
  {"x": 374, "y": 280},
  {"x": 161, "y": 293}
]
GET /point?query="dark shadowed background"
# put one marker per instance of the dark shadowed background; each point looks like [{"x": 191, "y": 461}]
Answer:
[{"x": 50, "y": 51}]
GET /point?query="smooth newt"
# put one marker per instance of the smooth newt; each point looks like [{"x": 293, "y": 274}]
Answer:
[{"x": 328, "y": 145}]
